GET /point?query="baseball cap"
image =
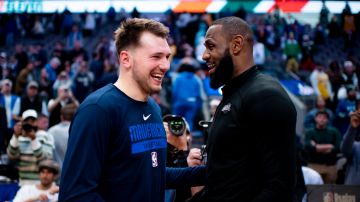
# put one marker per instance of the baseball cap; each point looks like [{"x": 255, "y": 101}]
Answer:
[
  {"x": 33, "y": 84},
  {"x": 29, "y": 113},
  {"x": 49, "y": 164}
]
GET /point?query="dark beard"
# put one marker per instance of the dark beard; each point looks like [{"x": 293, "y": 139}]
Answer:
[{"x": 223, "y": 72}]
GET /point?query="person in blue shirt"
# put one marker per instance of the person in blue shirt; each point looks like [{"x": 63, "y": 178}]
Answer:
[{"x": 117, "y": 143}]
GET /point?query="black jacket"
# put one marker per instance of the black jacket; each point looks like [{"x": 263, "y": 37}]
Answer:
[{"x": 251, "y": 144}]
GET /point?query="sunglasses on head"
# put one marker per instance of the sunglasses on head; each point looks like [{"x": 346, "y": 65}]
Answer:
[{"x": 28, "y": 127}]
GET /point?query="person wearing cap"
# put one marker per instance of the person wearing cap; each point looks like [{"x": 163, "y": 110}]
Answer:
[
  {"x": 32, "y": 100},
  {"x": 46, "y": 190},
  {"x": 28, "y": 146},
  {"x": 322, "y": 142}
]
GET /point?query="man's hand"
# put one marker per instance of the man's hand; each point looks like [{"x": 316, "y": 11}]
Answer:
[
  {"x": 18, "y": 129},
  {"x": 43, "y": 197},
  {"x": 194, "y": 158},
  {"x": 179, "y": 142},
  {"x": 54, "y": 189},
  {"x": 355, "y": 119}
]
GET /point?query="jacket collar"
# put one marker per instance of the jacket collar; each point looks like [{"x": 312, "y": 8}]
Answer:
[{"x": 236, "y": 82}]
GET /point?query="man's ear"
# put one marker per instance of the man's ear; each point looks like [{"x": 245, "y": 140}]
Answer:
[
  {"x": 237, "y": 44},
  {"x": 124, "y": 59}
]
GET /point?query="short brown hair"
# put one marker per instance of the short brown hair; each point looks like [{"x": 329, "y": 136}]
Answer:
[
  {"x": 232, "y": 26},
  {"x": 130, "y": 30},
  {"x": 68, "y": 111}
]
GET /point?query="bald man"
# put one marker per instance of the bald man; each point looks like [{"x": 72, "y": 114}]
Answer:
[{"x": 251, "y": 144}]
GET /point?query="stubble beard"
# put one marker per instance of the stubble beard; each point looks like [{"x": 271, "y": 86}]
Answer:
[{"x": 223, "y": 72}]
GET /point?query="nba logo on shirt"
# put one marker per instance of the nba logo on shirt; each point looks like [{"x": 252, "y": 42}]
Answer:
[{"x": 154, "y": 159}]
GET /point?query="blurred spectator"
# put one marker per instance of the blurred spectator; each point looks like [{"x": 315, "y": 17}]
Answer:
[
  {"x": 45, "y": 88},
  {"x": 292, "y": 48},
  {"x": 74, "y": 35},
  {"x": 28, "y": 147},
  {"x": 165, "y": 109},
  {"x": 348, "y": 27},
  {"x": 334, "y": 27},
  {"x": 178, "y": 146},
  {"x": 32, "y": 100},
  {"x": 46, "y": 190},
  {"x": 83, "y": 82},
  {"x": 323, "y": 144},
  {"x": 186, "y": 94},
  {"x": 336, "y": 80},
  {"x": 97, "y": 66},
  {"x": 21, "y": 58},
  {"x": 321, "y": 84},
  {"x": 350, "y": 147},
  {"x": 319, "y": 106},
  {"x": 259, "y": 54},
  {"x": 348, "y": 74},
  {"x": 311, "y": 177},
  {"x": 64, "y": 97},
  {"x": 26, "y": 75},
  {"x": 324, "y": 15},
  {"x": 89, "y": 25},
  {"x": 52, "y": 68},
  {"x": 67, "y": 22},
  {"x": 111, "y": 14},
  {"x": 344, "y": 108},
  {"x": 38, "y": 29},
  {"x": 59, "y": 52},
  {"x": 60, "y": 132},
  {"x": 110, "y": 75},
  {"x": 42, "y": 122},
  {"x": 78, "y": 50},
  {"x": 10, "y": 30},
  {"x": 3, "y": 60},
  {"x": 3, "y": 130},
  {"x": 62, "y": 79},
  {"x": 10, "y": 102},
  {"x": 292, "y": 66}
]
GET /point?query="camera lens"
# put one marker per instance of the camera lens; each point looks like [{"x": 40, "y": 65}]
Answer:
[
  {"x": 28, "y": 127},
  {"x": 176, "y": 124}
]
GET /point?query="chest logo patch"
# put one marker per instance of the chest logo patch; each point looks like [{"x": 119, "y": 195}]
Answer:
[
  {"x": 146, "y": 117},
  {"x": 226, "y": 108}
]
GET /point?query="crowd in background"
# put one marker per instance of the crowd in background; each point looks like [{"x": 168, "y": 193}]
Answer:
[{"x": 48, "y": 66}]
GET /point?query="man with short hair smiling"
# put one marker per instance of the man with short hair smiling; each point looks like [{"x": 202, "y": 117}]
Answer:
[{"x": 117, "y": 143}]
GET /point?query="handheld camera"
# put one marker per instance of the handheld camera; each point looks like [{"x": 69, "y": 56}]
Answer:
[{"x": 176, "y": 124}]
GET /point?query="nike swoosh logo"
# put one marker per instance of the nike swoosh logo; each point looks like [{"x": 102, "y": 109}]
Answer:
[{"x": 146, "y": 117}]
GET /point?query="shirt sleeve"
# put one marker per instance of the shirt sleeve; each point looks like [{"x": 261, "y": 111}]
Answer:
[
  {"x": 85, "y": 155},
  {"x": 185, "y": 177}
]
